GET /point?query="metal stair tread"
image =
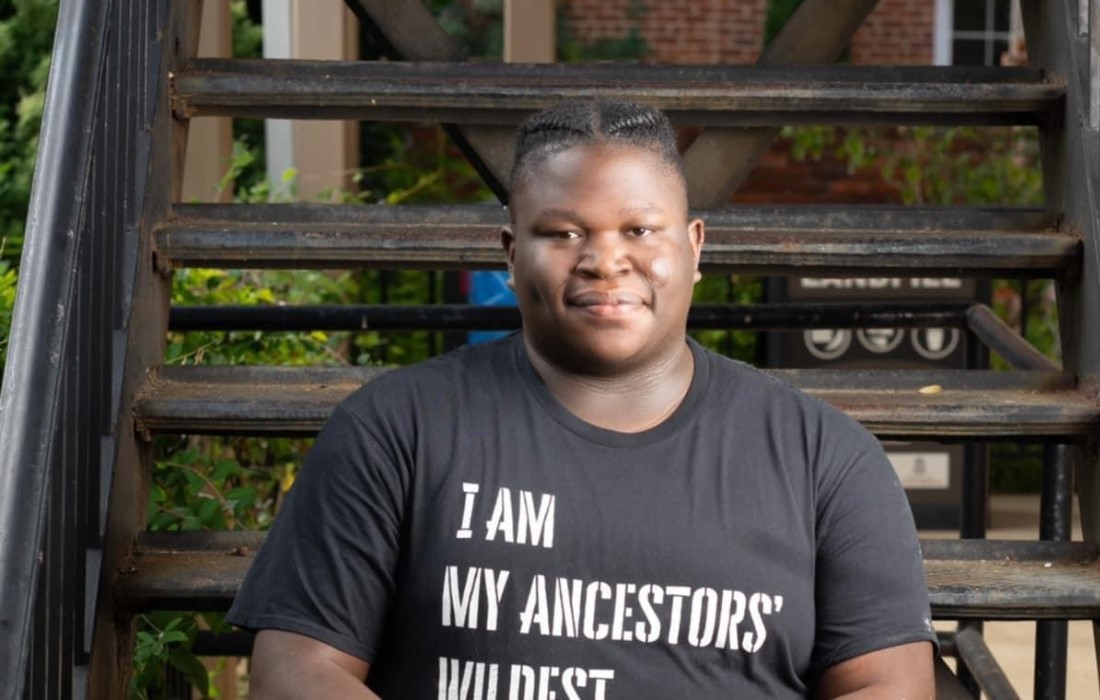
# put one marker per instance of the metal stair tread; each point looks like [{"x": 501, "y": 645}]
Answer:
[
  {"x": 502, "y": 94},
  {"x": 967, "y": 579},
  {"x": 969, "y": 403},
  {"x": 758, "y": 239}
]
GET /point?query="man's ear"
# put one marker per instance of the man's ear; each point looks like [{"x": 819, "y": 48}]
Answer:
[
  {"x": 508, "y": 242},
  {"x": 696, "y": 233}
]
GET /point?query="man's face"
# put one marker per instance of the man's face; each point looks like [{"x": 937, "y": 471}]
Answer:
[{"x": 603, "y": 258}]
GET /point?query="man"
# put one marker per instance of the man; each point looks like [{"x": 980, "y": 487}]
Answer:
[{"x": 596, "y": 507}]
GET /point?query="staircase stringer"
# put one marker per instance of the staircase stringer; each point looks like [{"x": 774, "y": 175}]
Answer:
[
  {"x": 1071, "y": 173},
  {"x": 1058, "y": 42},
  {"x": 147, "y": 323}
]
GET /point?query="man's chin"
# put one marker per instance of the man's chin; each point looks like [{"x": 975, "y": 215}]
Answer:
[{"x": 600, "y": 358}]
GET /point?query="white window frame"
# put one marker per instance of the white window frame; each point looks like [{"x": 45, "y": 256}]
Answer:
[{"x": 944, "y": 33}]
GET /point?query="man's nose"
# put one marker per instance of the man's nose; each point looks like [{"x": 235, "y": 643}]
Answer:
[{"x": 603, "y": 255}]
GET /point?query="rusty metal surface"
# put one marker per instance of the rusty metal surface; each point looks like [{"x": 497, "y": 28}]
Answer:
[
  {"x": 892, "y": 404},
  {"x": 503, "y": 94},
  {"x": 966, "y": 579},
  {"x": 815, "y": 240}
]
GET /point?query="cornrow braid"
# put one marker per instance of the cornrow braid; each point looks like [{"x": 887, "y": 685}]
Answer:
[{"x": 576, "y": 122}]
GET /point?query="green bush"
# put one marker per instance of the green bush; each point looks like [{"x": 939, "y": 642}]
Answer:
[
  {"x": 26, "y": 39},
  {"x": 8, "y": 280}
]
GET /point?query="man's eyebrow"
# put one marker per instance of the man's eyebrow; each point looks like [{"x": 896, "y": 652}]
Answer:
[
  {"x": 555, "y": 213},
  {"x": 647, "y": 209}
]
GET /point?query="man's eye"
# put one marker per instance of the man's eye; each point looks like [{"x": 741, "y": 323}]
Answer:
[
  {"x": 568, "y": 235},
  {"x": 641, "y": 231}
]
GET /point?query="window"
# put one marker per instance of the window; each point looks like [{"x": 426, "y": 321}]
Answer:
[{"x": 973, "y": 32}]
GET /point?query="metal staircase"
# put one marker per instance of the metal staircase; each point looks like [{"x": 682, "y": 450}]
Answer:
[{"x": 86, "y": 388}]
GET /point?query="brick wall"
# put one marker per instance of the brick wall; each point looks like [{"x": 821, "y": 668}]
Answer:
[
  {"x": 898, "y": 32},
  {"x": 675, "y": 31}
]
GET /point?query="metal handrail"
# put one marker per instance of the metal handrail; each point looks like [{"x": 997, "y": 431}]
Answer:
[{"x": 40, "y": 328}]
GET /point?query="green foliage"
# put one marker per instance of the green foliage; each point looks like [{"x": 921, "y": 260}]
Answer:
[
  {"x": 936, "y": 165},
  {"x": 165, "y": 639},
  {"x": 8, "y": 279},
  {"x": 731, "y": 289},
  {"x": 477, "y": 26},
  {"x": 779, "y": 11},
  {"x": 202, "y": 485},
  {"x": 26, "y": 38}
]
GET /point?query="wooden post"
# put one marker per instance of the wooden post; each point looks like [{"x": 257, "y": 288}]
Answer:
[
  {"x": 326, "y": 153},
  {"x": 530, "y": 34},
  {"x": 323, "y": 154},
  {"x": 210, "y": 140}
]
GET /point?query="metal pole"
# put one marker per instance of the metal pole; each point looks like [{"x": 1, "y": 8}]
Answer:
[
  {"x": 975, "y": 485},
  {"x": 1055, "y": 512}
]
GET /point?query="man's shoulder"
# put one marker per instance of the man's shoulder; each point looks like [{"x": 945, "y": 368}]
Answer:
[
  {"x": 771, "y": 395},
  {"x": 442, "y": 378}
]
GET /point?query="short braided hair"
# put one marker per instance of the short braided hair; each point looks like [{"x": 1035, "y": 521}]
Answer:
[{"x": 575, "y": 122}]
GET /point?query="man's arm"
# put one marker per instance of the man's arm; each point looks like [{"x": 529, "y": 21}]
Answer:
[
  {"x": 904, "y": 671},
  {"x": 288, "y": 666}
]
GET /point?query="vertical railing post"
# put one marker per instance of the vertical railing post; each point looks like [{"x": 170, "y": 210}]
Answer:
[
  {"x": 1056, "y": 509},
  {"x": 1093, "y": 34}
]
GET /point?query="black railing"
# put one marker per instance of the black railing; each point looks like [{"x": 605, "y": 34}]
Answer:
[{"x": 62, "y": 382}]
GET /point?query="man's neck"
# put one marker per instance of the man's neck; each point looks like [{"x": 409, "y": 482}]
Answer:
[{"x": 630, "y": 402}]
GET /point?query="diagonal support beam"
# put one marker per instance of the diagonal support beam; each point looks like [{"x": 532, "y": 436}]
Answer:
[
  {"x": 720, "y": 159},
  {"x": 406, "y": 30}
]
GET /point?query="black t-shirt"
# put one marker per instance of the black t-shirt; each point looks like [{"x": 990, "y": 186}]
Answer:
[{"x": 470, "y": 537}]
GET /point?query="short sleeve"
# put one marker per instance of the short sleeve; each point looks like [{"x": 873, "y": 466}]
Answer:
[
  {"x": 870, "y": 589},
  {"x": 326, "y": 569}
]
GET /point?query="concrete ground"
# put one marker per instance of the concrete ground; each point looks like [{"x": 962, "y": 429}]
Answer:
[{"x": 1013, "y": 643}]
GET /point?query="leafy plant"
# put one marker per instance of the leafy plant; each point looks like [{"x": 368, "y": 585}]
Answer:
[
  {"x": 8, "y": 280},
  {"x": 162, "y": 640},
  {"x": 26, "y": 39}
]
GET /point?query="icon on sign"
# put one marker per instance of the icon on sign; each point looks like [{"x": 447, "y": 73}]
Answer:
[
  {"x": 935, "y": 343},
  {"x": 827, "y": 343},
  {"x": 880, "y": 340}
]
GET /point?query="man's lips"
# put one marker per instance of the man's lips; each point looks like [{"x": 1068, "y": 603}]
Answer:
[{"x": 615, "y": 302}]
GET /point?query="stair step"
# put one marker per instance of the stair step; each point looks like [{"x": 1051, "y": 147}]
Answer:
[
  {"x": 503, "y": 94},
  {"x": 967, "y": 579},
  {"x": 292, "y": 400},
  {"x": 878, "y": 240}
]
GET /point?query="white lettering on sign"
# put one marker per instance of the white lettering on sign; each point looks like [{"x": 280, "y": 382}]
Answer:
[
  {"x": 880, "y": 283},
  {"x": 935, "y": 283},
  {"x": 922, "y": 470},
  {"x": 855, "y": 283}
]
